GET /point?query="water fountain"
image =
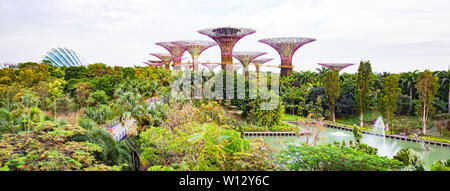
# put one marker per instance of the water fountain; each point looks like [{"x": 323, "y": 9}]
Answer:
[
  {"x": 386, "y": 146},
  {"x": 380, "y": 141}
]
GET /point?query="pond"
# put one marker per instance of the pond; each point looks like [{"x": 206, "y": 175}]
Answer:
[{"x": 386, "y": 147}]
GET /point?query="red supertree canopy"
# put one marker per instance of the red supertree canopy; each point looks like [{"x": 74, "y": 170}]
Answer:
[
  {"x": 195, "y": 48},
  {"x": 154, "y": 63},
  {"x": 176, "y": 51},
  {"x": 226, "y": 37},
  {"x": 336, "y": 66},
  {"x": 246, "y": 57},
  {"x": 286, "y": 47},
  {"x": 259, "y": 62},
  {"x": 166, "y": 58}
]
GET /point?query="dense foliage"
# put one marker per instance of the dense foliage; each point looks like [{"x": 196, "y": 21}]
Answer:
[
  {"x": 47, "y": 147},
  {"x": 49, "y": 119},
  {"x": 333, "y": 158}
]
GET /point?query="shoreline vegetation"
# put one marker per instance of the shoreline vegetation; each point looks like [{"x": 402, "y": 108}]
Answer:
[{"x": 288, "y": 117}]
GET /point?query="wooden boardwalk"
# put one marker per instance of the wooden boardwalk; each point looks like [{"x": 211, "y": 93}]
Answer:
[
  {"x": 269, "y": 133},
  {"x": 275, "y": 133}
]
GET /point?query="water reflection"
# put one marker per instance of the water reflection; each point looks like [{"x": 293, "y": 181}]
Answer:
[{"x": 393, "y": 145}]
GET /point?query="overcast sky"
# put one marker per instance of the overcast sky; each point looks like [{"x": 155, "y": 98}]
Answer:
[{"x": 395, "y": 35}]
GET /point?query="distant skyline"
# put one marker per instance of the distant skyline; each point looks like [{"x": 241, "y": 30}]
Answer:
[{"x": 395, "y": 35}]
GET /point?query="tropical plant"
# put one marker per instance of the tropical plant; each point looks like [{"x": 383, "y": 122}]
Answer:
[
  {"x": 6, "y": 122},
  {"x": 363, "y": 80},
  {"x": 100, "y": 115},
  {"x": 332, "y": 90},
  {"x": 411, "y": 159},
  {"x": 427, "y": 86},
  {"x": 113, "y": 153},
  {"x": 97, "y": 98},
  {"x": 388, "y": 98},
  {"x": 407, "y": 81},
  {"x": 332, "y": 158},
  {"x": 443, "y": 165},
  {"x": 47, "y": 148}
]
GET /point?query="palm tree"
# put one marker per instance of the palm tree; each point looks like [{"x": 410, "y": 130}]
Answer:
[
  {"x": 134, "y": 107},
  {"x": 163, "y": 76},
  {"x": 322, "y": 72},
  {"x": 29, "y": 99},
  {"x": 377, "y": 81},
  {"x": 99, "y": 114},
  {"x": 444, "y": 82},
  {"x": 6, "y": 119},
  {"x": 408, "y": 81}
]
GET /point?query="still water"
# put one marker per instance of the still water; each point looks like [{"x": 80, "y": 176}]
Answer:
[{"x": 386, "y": 147}]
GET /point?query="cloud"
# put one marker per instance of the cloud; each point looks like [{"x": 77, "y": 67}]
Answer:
[{"x": 395, "y": 35}]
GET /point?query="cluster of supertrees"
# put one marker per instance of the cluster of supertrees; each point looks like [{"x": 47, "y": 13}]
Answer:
[{"x": 226, "y": 38}]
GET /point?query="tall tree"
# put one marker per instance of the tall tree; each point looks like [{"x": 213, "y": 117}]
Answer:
[
  {"x": 363, "y": 80},
  {"x": 427, "y": 86},
  {"x": 377, "y": 83},
  {"x": 56, "y": 90},
  {"x": 6, "y": 119},
  {"x": 332, "y": 90},
  {"x": 292, "y": 94},
  {"x": 388, "y": 98},
  {"x": 444, "y": 89},
  {"x": 82, "y": 90},
  {"x": 407, "y": 82}
]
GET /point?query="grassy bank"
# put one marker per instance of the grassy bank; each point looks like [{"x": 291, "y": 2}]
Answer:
[{"x": 282, "y": 127}]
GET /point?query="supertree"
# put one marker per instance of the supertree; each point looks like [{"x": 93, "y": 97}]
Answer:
[
  {"x": 259, "y": 62},
  {"x": 155, "y": 63},
  {"x": 332, "y": 84},
  {"x": 210, "y": 67},
  {"x": 176, "y": 51},
  {"x": 226, "y": 37},
  {"x": 195, "y": 48},
  {"x": 336, "y": 66},
  {"x": 236, "y": 67},
  {"x": 246, "y": 57},
  {"x": 165, "y": 58},
  {"x": 177, "y": 66},
  {"x": 286, "y": 47}
]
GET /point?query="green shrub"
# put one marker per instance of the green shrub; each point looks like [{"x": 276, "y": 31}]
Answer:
[
  {"x": 441, "y": 165},
  {"x": 201, "y": 147},
  {"x": 47, "y": 148},
  {"x": 97, "y": 98},
  {"x": 282, "y": 126},
  {"x": 411, "y": 159},
  {"x": 332, "y": 158},
  {"x": 255, "y": 113},
  {"x": 113, "y": 153}
]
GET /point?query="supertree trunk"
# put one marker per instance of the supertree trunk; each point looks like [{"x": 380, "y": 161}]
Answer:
[
  {"x": 286, "y": 72},
  {"x": 410, "y": 100},
  {"x": 246, "y": 73},
  {"x": 195, "y": 63}
]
